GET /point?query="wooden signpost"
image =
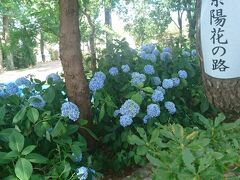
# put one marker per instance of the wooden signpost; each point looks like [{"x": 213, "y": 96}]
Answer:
[{"x": 219, "y": 49}]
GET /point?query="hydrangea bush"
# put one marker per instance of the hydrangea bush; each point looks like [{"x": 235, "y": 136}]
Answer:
[
  {"x": 39, "y": 132},
  {"x": 155, "y": 85}
]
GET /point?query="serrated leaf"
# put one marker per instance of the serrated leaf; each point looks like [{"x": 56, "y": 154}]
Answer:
[
  {"x": 102, "y": 112},
  {"x": 188, "y": 159},
  {"x": 59, "y": 129},
  {"x": 137, "y": 98},
  {"x": 219, "y": 119},
  {"x": 133, "y": 139},
  {"x": 37, "y": 158},
  {"x": 154, "y": 161},
  {"x": 148, "y": 89}
]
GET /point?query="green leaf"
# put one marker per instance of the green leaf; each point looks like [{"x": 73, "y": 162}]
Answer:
[
  {"x": 219, "y": 119},
  {"x": 33, "y": 115},
  {"x": 37, "y": 158},
  {"x": 142, "y": 133},
  {"x": 203, "y": 120},
  {"x": 142, "y": 150},
  {"x": 148, "y": 89},
  {"x": 154, "y": 161},
  {"x": 16, "y": 141},
  {"x": 91, "y": 133},
  {"x": 133, "y": 139},
  {"x": 23, "y": 169},
  {"x": 188, "y": 159},
  {"x": 102, "y": 113},
  {"x": 204, "y": 106},
  {"x": 137, "y": 98},
  {"x": 20, "y": 115},
  {"x": 49, "y": 95},
  {"x": 28, "y": 149},
  {"x": 83, "y": 122},
  {"x": 59, "y": 129}
]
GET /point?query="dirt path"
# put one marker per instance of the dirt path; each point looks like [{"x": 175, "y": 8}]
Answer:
[{"x": 40, "y": 71}]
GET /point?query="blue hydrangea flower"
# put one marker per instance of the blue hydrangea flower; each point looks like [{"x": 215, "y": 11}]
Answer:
[
  {"x": 70, "y": 110},
  {"x": 153, "y": 110},
  {"x": 116, "y": 113},
  {"x": 137, "y": 78},
  {"x": 167, "y": 49},
  {"x": 161, "y": 89},
  {"x": 148, "y": 48},
  {"x": 125, "y": 121},
  {"x": 125, "y": 68},
  {"x": 96, "y": 83},
  {"x": 54, "y": 77},
  {"x": 2, "y": 93},
  {"x": 152, "y": 58},
  {"x": 100, "y": 75},
  {"x": 22, "y": 81},
  {"x": 82, "y": 173},
  {"x": 170, "y": 106},
  {"x": 37, "y": 101},
  {"x": 146, "y": 119},
  {"x": 156, "y": 52},
  {"x": 165, "y": 56},
  {"x": 176, "y": 81},
  {"x": 194, "y": 53},
  {"x": 113, "y": 71},
  {"x": 77, "y": 158},
  {"x": 149, "y": 69},
  {"x": 130, "y": 108},
  {"x": 186, "y": 54},
  {"x": 157, "y": 96},
  {"x": 167, "y": 83},
  {"x": 182, "y": 74},
  {"x": 156, "y": 81},
  {"x": 11, "y": 88},
  {"x": 143, "y": 55}
]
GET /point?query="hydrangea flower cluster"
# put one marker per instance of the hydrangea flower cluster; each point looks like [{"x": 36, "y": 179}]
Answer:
[
  {"x": 156, "y": 81},
  {"x": 161, "y": 89},
  {"x": 176, "y": 81},
  {"x": 167, "y": 49},
  {"x": 125, "y": 120},
  {"x": 54, "y": 77},
  {"x": 11, "y": 88},
  {"x": 97, "y": 82},
  {"x": 146, "y": 118},
  {"x": 194, "y": 53},
  {"x": 130, "y": 108},
  {"x": 70, "y": 110},
  {"x": 157, "y": 96},
  {"x": 137, "y": 78},
  {"x": 22, "y": 81},
  {"x": 83, "y": 173},
  {"x": 113, "y": 71},
  {"x": 182, "y": 74},
  {"x": 37, "y": 101},
  {"x": 125, "y": 68},
  {"x": 170, "y": 106},
  {"x": 167, "y": 83},
  {"x": 153, "y": 110},
  {"x": 149, "y": 69},
  {"x": 149, "y": 52},
  {"x": 128, "y": 111},
  {"x": 186, "y": 54},
  {"x": 116, "y": 113},
  {"x": 165, "y": 56}
]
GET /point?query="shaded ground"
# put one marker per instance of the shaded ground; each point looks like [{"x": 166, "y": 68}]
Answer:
[{"x": 40, "y": 71}]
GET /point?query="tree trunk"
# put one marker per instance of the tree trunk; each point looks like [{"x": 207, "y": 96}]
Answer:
[
  {"x": 71, "y": 58},
  {"x": 108, "y": 22},
  {"x": 9, "y": 56},
  {"x": 42, "y": 44},
  {"x": 92, "y": 42},
  {"x": 222, "y": 93}
]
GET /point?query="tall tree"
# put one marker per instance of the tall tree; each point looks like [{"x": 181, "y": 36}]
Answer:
[
  {"x": 71, "y": 58},
  {"x": 6, "y": 37},
  {"x": 222, "y": 93}
]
